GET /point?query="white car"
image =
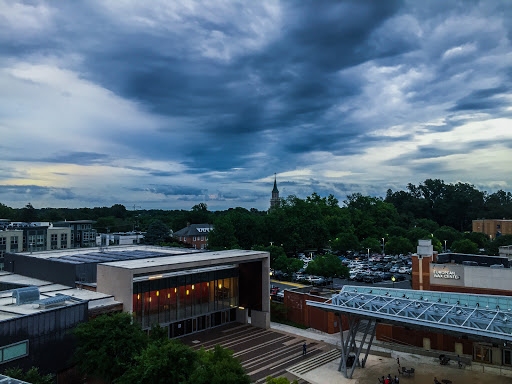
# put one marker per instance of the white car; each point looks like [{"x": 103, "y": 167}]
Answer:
[{"x": 405, "y": 270}]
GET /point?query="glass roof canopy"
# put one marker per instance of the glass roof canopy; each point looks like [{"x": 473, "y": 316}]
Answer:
[{"x": 486, "y": 316}]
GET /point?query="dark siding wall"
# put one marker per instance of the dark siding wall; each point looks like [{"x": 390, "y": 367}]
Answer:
[
  {"x": 51, "y": 344},
  {"x": 57, "y": 272},
  {"x": 250, "y": 285}
]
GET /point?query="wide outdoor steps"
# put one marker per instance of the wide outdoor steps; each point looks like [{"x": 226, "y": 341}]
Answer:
[{"x": 315, "y": 362}]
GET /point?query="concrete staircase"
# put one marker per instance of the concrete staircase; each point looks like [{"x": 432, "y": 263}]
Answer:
[{"x": 315, "y": 362}]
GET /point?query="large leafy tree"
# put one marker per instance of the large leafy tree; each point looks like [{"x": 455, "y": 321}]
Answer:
[
  {"x": 464, "y": 246},
  {"x": 345, "y": 242},
  {"x": 157, "y": 232},
  {"x": 399, "y": 245},
  {"x": 166, "y": 362},
  {"x": 223, "y": 235},
  {"x": 449, "y": 234},
  {"x": 218, "y": 366},
  {"x": 327, "y": 265},
  {"x": 107, "y": 346}
]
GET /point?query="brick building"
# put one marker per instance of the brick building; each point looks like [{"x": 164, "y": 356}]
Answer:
[
  {"x": 194, "y": 234},
  {"x": 493, "y": 228}
]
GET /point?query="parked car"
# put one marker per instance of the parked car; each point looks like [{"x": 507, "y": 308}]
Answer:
[
  {"x": 404, "y": 270},
  {"x": 315, "y": 280},
  {"x": 372, "y": 279}
]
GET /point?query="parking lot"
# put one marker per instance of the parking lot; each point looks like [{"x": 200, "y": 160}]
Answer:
[{"x": 388, "y": 271}]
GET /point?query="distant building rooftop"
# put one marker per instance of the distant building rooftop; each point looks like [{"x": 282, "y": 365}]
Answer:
[
  {"x": 9, "y": 309},
  {"x": 204, "y": 258},
  {"x": 469, "y": 259},
  {"x": 107, "y": 254}
]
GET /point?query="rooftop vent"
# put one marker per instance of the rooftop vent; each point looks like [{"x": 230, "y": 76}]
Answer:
[
  {"x": 25, "y": 295},
  {"x": 58, "y": 299}
]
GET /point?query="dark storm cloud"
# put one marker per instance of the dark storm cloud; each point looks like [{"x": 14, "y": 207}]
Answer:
[
  {"x": 172, "y": 190},
  {"x": 23, "y": 191},
  {"x": 290, "y": 82},
  {"x": 239, "y": 86},
  {"x": 80, "y": 158},
  {"x": 483, "y": 99}
]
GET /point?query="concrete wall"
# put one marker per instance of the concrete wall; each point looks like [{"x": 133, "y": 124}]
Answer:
[
  {"x": 471, "y": 277},
  {"x": 117, "y": 282}
]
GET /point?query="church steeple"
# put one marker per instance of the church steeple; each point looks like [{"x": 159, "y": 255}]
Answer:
[{"x": 274, "y": 201}]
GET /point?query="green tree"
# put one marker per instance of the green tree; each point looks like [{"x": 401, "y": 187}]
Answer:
[
  {"x": 287, "y": 264},
  {"x": 275, "y": 253},
  {"x": 279, "y": 380},
  {"x": 427, "y": 224},
  {"x": 449, "y": 234},
  {"x": 493, "y": 246},
  {"x": 28, "y": 213},
  {"x": 478, "y": 238},
  {"x": 372, "y": 243},
  {"x": 327, "y": 265},
  {"x": 345, "y": 242},
  {"x": 107, "y": 345},
  {"x": 464, "y": 246},
  {"x": 223, "y": 235},
  {"x": 164, "y": 362},
  {"x": 399, "y": 245},
  {"x": 218, "y": 366},
  {"x": 32, "y": 376},
  {"x": 156, "y": 233},
  {"x": 415, "y": 234}
]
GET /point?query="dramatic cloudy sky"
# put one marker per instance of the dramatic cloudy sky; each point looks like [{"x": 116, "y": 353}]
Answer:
[{"x": 165, "y": 104}]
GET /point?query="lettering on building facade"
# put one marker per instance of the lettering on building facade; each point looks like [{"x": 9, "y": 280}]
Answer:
[{"x": 446, "y": 275}]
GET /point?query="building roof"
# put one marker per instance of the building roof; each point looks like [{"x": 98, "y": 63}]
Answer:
[
  {"x": 482, "y": 316},
  {"x": 180, "y": 261},
  {"x": 47, "y": 290},
  {"x": 57, "y": 223},
  {"x": 107, "y": 254},
  {"x": 275, "y": 190},
  {"x": 9, "y": 380},
  {"x": 194, "y": 230}
]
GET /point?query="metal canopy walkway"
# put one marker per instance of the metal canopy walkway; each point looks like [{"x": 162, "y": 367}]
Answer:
[{"x": 481, "y": 316}]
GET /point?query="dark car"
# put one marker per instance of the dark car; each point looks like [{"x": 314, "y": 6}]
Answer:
[
  {"x": 372, "y": 279},
  {"x": 387, "y": 276},
  {"x": 360, "y": 276},
  {"x": 399, "y": 277}
]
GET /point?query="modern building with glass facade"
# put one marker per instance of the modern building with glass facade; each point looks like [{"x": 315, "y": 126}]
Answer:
[{"x": 191, "y": 292}]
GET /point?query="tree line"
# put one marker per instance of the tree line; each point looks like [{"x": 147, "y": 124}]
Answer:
[{"x": 433, "y": 210}]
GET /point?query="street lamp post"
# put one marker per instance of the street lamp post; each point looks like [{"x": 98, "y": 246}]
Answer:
[
  {"x": 368, "y": 253},
  {"x": 445, "y": 246},
  {"x": 393, "y": 279},
  {"x": 383, "y": 254}
]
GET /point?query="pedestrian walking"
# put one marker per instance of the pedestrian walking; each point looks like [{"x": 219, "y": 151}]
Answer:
[
  {"x": 397, "y": 380},
  {"x": 304, "y": 349},
  {"x": 458, "y": 361}
]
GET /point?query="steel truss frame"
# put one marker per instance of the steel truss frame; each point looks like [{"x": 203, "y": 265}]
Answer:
[{"x": 349, "y": 345}]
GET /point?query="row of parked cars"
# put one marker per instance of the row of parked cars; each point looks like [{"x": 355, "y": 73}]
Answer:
[{"x": 376, "y": 269}]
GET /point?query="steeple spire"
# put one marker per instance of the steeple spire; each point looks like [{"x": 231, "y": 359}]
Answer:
[{"x": 274, "y": 201}]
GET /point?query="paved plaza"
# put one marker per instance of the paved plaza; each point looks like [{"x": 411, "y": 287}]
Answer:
[{"x": 275, "y": 351}]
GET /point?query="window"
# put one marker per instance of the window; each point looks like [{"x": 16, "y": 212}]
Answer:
[
  {"x": 40, "y": 239},
  {"x": 63, "y": 240},
  {"x": 3, "y": 240},
  {"x": 202, "y": 238},
  {"x": 14, "y": 351},
  {"x": 14, "y": 240},
  {"x": 482, "y": 353},
  {"x": 54, "y": 237},
  {"x": 194, "y": 239}
]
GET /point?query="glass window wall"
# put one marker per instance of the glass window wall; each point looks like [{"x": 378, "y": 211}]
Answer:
[{"x": 167, "y": 300}]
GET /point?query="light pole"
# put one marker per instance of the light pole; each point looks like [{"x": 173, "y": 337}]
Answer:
[
  {"x": 445, "y": 246},
  {"x": 383, "y": 254},
  {"x": 393, "y": 280},
  {"x": 368, "y": 253}
]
